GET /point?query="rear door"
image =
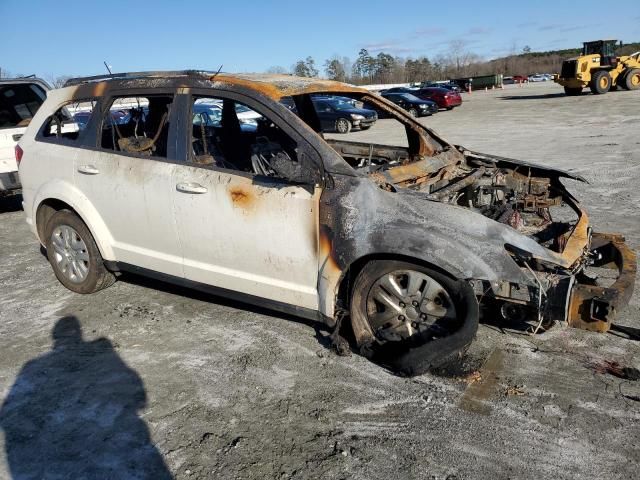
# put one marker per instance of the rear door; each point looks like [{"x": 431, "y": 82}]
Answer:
[
  {"x": 131, "y": 190},
  {"x": 240, "y": 230}
]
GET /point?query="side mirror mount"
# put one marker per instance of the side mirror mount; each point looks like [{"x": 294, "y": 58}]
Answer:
[{"x": 302, "y": 171}]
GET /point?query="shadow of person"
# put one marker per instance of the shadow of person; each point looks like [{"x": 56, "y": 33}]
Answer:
[{"x": 72, "y": 413}]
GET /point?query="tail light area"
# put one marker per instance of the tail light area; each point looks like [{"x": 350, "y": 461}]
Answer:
[{"x": 19, "y": 153}]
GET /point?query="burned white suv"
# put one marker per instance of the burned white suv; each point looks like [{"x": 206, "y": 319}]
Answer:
[{"x": 162, "y": 176}]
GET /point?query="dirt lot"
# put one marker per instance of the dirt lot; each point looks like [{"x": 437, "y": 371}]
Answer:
[{"x": 167, "y": 382}]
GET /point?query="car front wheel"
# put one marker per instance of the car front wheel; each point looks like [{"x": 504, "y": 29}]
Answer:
[
  {"x": 74, "y": 255},
  {"x": 418, "y": 317}
]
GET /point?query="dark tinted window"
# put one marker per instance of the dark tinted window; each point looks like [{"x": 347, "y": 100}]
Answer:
[{"x": 19, "y": 103}]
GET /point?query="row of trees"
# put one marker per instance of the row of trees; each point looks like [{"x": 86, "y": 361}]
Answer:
[
  {"x": 387, "y": 68},
  {"x": 457, "y": 62}
]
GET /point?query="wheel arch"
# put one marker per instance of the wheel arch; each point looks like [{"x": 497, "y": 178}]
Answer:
[
  {"x": 349, "y": 274},
  {"x": 47, "y": 204}
]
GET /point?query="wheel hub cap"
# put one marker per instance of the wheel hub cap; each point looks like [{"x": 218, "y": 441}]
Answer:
[
  {"x": 70, "y": 253},
  {"x": 404, "y": 303}
]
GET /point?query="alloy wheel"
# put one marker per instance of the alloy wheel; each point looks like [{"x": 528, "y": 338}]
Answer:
[
  {"x": 405, "y": 303},
  {"x": 70, "y": 253}
]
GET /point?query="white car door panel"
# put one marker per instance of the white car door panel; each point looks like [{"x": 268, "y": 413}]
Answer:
[
  {"x": 133, "y": 196},
  {"x": 252, "y": 236}
]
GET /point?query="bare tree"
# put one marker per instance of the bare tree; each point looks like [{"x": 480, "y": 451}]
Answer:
[
  {"x": 277, "y": 69},
  {"x": 58, "y": 81}
]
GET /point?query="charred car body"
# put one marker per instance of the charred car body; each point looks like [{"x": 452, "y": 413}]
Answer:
[{"x": 401, "y": 240}]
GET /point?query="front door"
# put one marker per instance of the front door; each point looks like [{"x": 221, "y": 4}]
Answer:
[{"x": 243, "y": 227}]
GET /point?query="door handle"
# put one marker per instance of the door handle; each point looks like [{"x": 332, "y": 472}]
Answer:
[
  {"x": 191, "y": 188},
  {"x": 88, "y": 170}
]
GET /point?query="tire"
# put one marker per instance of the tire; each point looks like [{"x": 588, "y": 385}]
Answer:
[
  {"x": 572, "y": 92},
  {"x": 632, "y": 79},
  {"x": 343, "y": 125},
  {"x": 85, "y": 271},
  {"x": 622, "y": 80},
  {"x": 600, "y": 82},
  {"x": 442, "y": 321},
  {"x": 449, "y": 108},
  {"x": 413, "y": 112}
]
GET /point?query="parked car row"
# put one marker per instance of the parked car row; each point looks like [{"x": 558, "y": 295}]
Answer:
[
  {"x": 537, "y": 77},
  {"x": 417, "y": 107},
  {"x": 540, "y": 77},
  {"x": 448, "y": 85},
  {"x": 445, "y": 98}
]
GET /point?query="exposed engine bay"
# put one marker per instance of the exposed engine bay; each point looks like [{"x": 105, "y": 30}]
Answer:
[
  {"x": 546, "y": 232},
  {"x": 521, "y": 197}
]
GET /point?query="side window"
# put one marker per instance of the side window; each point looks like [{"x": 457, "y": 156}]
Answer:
[
  {"x": 228, "y": 134},
  {"x": 68, "y": 121},
  {"x": 137, "y": 125}
]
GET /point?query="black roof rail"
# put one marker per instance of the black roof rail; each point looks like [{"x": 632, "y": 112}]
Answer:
[{"x": 134, "y": 75}]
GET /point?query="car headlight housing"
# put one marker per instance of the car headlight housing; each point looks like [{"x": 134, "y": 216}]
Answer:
[{"x": 355, "y": 116}]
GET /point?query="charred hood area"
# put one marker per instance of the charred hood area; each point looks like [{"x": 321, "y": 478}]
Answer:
[{"x": 529, "y": 198}]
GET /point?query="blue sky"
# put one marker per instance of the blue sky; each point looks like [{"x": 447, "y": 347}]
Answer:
[{"x": 72, "y": 37}]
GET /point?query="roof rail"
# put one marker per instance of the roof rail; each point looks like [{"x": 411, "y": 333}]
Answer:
[{"x": 133, "y": 75}]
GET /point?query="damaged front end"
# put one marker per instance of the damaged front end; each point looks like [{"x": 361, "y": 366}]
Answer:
[{"x": 569, "y": 267}]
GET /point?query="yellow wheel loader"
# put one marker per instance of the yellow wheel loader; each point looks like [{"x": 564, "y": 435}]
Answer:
[{"x": 600, "y": 69}]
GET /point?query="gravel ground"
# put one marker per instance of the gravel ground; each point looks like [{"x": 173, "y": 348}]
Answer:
[{"x": 150, "y": 381}]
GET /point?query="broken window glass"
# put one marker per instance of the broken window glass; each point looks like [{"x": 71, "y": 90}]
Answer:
[
  {"x": 229, "y": 134},
  {"x": 68, "y": 121}
]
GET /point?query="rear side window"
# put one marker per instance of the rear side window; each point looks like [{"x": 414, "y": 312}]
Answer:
[
  {"x": 137, "y": 125},
  {"x": 68, "y": 121},
  {"x": 19, "y": 103}
]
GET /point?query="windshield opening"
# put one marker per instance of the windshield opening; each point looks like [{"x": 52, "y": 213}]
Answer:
[{"x": 365, "y": 129}]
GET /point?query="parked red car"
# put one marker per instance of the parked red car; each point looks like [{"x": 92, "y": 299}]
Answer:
[
  {"x": 443, "y": 97},
  {"x": 520, "y": 79}
]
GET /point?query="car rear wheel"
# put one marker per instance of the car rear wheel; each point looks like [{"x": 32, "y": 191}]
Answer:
[
  {"x": 600, "y": 82},
  {"x": 572, "y": 91},
  {"x": 343, "y": 125},
  {"x": 632, "y": 79},
  {"x": 418, "y": 317},
  {"x": 74, "y": 255}
]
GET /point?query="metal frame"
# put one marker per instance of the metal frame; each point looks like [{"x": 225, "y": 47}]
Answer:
[{"x": 135, "y": 75}]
